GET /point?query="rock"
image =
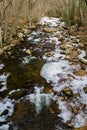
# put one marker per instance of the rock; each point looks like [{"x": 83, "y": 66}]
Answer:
[
  {"x": 61, "y": 38},
  {"x": 25, "y": 31},
  {"x": 62, "y": 98},
  {"x": 81, "y": 72},
  {"x": 85, "y": 89},
  {"x": 1, "y": 85},
  {"x": 20, "y": 35},
  {"x": 50, "y": 30},
  {"x": 67, "y": 91},
  {"x": 55, "y": 92},
  {"x": 75, "y": 110},
  {"x": 48, "y": 89},
  {"x": 68, "y": 48},
  {"x": 28, "y": 51},
  {"x": 68, "y": 51},
  {"x": 83, "y": 60},
  {"x": 63, "y": 52},
  {"x": 69, "y": 124},
  {"x": 18, "y": 94},
  {"x": 62, "y": 46},
  {"x": 33, "y": 27},
  {"x": 49, "y": 54},
  {"x": 5, "y": 112},
  {"x": 51, "y": 110},
  {"x": 81, "y": 45}
]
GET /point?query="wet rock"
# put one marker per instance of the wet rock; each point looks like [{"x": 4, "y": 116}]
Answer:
[
  {"x": 67, "y": 48},
  {"x": 1, "y": 85},
  {"x": 18, "y": 94},
  {"x": 75, "y": 110},
  {"x": 25, "y": 31},
  {"x": 49, "y": 54},
  {"x": 83, "y": 60},
  {"x": 61, "y": 38},
  {"x": 63, "y": 52},
  {"x": 69, "y": 124},
  {"x": 5, "y": 112},
  {"x": 33, "y": 27},
  {"x": 50, "y": 30},
  {"x": 81, "y": 45},
  {"x": 62, "y": 98},
  {"x": 81, "y": 72},
  {"x": 55, "y": 92},
  {"x": 85, "y": 89},
  {"x": 67, "y": 91},
  {"x": 20, "y": 35},
  {"x": 62, "y": 46},
  {"x": 48, "y": 89},
  {"x": 28, "y": 51}
]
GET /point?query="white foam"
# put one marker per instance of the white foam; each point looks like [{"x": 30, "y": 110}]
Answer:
[
  {"x": 39, "y": 98},
  {"x": 6, "y": 104},
  {"x": 1, "y": 66}
]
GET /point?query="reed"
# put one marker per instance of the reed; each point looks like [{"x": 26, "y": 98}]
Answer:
[
  {"x": 13, "y": 12},
  {"x": 72, "y": 11}
]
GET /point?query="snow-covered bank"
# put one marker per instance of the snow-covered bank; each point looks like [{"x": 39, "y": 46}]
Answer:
[{"x": 60, "y": 73}]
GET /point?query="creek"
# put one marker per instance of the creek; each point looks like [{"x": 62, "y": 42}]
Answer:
[{"x": 40, "y": 87}]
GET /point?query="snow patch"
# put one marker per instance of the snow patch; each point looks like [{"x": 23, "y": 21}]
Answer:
[{"x": 3, "y": 80}]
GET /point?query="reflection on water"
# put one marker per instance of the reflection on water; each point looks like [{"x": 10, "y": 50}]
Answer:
[{"x": 40, "y": 99}]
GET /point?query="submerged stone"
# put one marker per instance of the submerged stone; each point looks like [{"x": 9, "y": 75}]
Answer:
[
  {"x": 85, "y": 89},
  {"x": 67, "y": 91}
]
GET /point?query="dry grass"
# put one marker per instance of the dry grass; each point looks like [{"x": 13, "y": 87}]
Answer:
[{"x": 72, "y": 11}]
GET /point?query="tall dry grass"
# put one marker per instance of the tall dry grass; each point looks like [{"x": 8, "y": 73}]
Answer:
[
  {"x": 71, "y": 10},
  {"x": 13, "y": 12}
]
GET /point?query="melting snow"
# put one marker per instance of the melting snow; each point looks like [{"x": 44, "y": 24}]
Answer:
[
  {"x": 3, "y": 80},
  {"x": 6, "y": 104},
  {"x": 56, "y": 69},
  {"x": 53, "y": 21}
]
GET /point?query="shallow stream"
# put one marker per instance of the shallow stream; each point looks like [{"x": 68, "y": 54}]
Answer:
[{"x": 39, "y": 87}]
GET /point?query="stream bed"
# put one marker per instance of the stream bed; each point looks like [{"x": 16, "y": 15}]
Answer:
[{"x": 43, "y": 81}]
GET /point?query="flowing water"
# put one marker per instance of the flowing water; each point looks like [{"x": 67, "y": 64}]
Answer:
[{"x": 32, "y": 78}]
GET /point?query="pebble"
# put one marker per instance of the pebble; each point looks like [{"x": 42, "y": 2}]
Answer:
[
  {"x": 28, "y": 51},
  {"x": 67, "y": 91},
  {"x": 85, "y": 89}
]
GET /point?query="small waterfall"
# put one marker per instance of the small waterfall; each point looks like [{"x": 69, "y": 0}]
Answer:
[{"x": 40, "y": 99}]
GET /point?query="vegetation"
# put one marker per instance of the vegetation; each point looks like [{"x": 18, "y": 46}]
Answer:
[
  {"x": 14, "y": 12},
  {"x": 72, "y": 11}
]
